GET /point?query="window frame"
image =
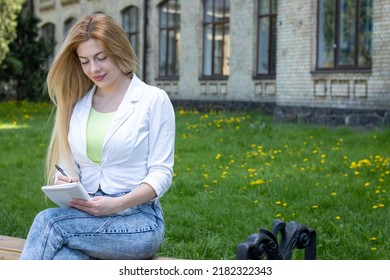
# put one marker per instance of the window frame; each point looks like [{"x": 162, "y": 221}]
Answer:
[
  {"x": 175, "y": 48},
  {"x": 68, "y": 24},
  {"x": 132, "y": 34},
  {"x": 225, "y": 24},
  {"x": 272, "y": 42},
  {"x": 336, "y": 65},
  {"x": 48, "y": 33}
]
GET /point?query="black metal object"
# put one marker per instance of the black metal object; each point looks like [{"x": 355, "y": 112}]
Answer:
[{"x": 265, "y": 243}]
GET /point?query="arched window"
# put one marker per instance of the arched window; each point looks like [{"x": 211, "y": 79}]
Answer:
[
  {"x": 68, "y": 25},
  {"x": 48, "y": 34},
  {"x": 130, "y": 23},
  {"x": 48, "y": 31}
]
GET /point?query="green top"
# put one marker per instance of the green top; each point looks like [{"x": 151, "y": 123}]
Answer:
[{"x": 98, "y": 124}]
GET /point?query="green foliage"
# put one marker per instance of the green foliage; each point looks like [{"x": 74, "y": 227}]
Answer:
[
  {"x": 8, "y": 13},
  {"x": 24, "y": 67},
  {"x": 234, "y": 174}
]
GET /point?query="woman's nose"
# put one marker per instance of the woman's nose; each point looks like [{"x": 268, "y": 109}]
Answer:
[{"x": 95, "y": 66}]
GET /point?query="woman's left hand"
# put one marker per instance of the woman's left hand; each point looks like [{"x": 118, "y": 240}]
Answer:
[
  {"x": 98, "y": 206},
  {"x": 106, "y": 205}
]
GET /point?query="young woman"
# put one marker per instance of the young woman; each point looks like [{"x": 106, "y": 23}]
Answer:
[{"x": 115, "y": 135}]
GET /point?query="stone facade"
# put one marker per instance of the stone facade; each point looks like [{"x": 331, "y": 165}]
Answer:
[{"x": 298, "y": 92}]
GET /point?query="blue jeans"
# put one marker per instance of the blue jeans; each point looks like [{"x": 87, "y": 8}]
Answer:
[{"x": 71, "y": 234}]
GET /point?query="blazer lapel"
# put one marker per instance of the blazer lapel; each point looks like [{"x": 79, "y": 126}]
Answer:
[
  {"x": 126, "y": 108},
  {"x": 83, "y": 116}
]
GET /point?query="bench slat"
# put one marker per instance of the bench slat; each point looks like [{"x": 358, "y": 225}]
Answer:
[{"x": 11, "y": 248}]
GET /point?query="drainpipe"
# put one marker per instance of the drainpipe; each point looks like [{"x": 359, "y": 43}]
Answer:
[{"x": 144, "y": 62}]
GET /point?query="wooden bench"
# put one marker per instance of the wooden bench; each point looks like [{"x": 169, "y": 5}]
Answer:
[{"x": 11, "y": 248}]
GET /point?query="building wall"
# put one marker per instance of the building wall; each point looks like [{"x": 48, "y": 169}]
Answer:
[
  {"x": 58, "y": 11},
  {"x": 297, "y": 85},
  {"x": 298, "y": 82}
]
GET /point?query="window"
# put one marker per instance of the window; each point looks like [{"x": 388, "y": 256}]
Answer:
[
  {"x": 266, "y": 37},
  {"x": 344, "y": 34},
  {"x": 131, "y": 26},
  {"x": 169, "y": 33},
  {"x": 216, "y": 38},
  {"x": 48, "y": 34},
  {"x": 68, "y": 25}
]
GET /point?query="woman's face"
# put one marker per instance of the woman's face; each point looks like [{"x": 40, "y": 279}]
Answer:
[{"x": 97, "y": 65}]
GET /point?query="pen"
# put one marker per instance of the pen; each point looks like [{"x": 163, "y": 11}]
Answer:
[{"x": 60, "y": 170}]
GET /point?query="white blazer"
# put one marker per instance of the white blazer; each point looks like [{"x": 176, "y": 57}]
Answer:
[{"x": 138, "y": 146}]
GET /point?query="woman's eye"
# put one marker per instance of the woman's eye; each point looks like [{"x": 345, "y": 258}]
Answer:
[
  {"x": 83, "y": 62},
  {"x": 102, "y": 58}
]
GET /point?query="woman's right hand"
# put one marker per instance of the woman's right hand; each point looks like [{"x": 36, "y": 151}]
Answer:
[{"x": 61, "y": 179}]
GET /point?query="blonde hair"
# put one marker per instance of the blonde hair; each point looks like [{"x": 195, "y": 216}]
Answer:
[{"x": 67, "y": 83}]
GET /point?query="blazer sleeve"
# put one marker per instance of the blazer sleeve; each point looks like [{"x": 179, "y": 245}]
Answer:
[{"x": 161, "y": 144}]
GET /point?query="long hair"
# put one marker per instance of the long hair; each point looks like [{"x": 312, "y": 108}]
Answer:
[{"x": 67, "y": 83}]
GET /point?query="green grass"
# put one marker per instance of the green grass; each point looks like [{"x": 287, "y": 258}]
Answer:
[{"x": 234, "y": 174}]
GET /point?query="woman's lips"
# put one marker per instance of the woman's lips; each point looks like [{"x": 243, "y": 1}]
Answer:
[{"x": 99, "y": 77}]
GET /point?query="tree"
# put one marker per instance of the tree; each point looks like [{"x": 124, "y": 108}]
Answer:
[
  {"x": 9, "y": 10},
  {"x": 24, "y": 67}
]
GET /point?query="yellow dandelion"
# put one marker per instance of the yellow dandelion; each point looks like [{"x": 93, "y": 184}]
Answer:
[
  {"x": 278, "y": 202},
  {"x": 315, "y": 206},
  {"x": 333, "y": 193},
  {"x": 367, "y": 184},
  {"x": 338, "y": 218},
  {"x": 278, "y": 215},
  {"x": 257, "y": 182},
  {"x": 374, "y": 249},
  {"x": 373, "y": 238}
]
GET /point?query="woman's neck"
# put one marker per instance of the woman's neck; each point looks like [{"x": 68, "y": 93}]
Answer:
[{"x": 108, "y": 99}]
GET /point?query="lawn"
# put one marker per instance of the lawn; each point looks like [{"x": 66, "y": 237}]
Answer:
[{"x": 234, "y": 173}]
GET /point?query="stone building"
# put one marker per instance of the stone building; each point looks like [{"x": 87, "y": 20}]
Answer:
[{"x": 317, "y": 61}]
